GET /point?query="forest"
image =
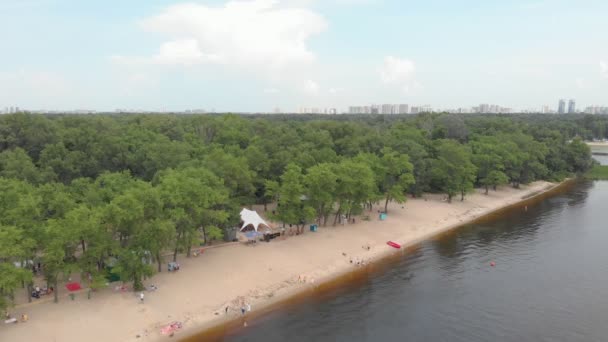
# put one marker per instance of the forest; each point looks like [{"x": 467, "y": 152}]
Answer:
[{"x": 94, "y": 193}]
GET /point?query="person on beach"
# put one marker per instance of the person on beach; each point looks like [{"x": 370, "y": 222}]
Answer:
[
  {"x": 226, "y": 310},
  {"x": 242, "y": 310},
  {"x": 141, "y": 297},
  {"x": 248, "y": 307}
]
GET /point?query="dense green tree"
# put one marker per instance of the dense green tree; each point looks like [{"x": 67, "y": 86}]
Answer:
[
  {"x": 17, "y": 164},
  {"x": 577, "y": 156},
  {"x": 487, "y": 157},
  {"x": 293, "y": 207},
  {"x": 525, "y": 158},
  {"x": 11, "y": 278},
  {"x": 320, "y": 182},
  {"x": 453, "y": 169},
  {"x": 397, "y": 176},
  {"x": 78, "y": 192},
  {"x": 235, "y": 172},
  {"x": 188, "y": 195},
  {"x": 356, "y": 186},
  {"x": 133, "y": 267},
  {"x": 16, "y": 248},
  {"x": 271, "y": 192}
]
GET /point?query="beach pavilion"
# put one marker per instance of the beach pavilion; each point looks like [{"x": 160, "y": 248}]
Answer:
[{"x": 250, "y": 220}]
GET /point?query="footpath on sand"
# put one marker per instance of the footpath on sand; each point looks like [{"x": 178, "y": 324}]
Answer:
[{"x": 215, "y": 287}]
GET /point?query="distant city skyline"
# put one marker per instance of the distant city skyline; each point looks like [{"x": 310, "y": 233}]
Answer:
[
  {"x": 562, "y": 107},
  {"x": 255, "y": 55}
]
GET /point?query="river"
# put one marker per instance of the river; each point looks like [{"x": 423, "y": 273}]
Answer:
[{"x": 548, "y": 284}]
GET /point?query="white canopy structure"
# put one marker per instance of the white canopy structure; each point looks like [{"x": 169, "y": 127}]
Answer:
[{"x": 251, "y": 218}]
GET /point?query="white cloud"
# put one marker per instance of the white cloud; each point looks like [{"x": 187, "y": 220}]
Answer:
[
  {"x": 604, "y": 69},
  {"x": 334, "y": 91},
  {"x": 580, "y": 83},
  {"x": 396, "y": 70},
  {"x": 256, "y": 33},
  {"x": 399, "y": 72},
  {"x": 183, "y": 52},
  {"x": 311, "y": 87}
]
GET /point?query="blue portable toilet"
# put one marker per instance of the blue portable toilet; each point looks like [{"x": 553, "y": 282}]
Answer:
[
  {"x": 382, "y": 216},
  {"x": 313, "y": 227}
]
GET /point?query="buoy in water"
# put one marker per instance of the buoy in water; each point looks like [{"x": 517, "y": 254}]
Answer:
[{"x": 492, "y": 264}]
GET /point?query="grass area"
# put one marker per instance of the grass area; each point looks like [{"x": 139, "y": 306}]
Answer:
[{"x": 598, "y": 172}]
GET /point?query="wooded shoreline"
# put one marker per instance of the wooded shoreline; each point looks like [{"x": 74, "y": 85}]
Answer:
[{"x": 103, "y": 196}]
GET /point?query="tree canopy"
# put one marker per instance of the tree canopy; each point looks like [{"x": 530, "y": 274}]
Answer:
[{"x": 114, "y": 193}]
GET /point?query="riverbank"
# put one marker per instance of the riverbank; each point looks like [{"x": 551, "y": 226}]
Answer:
[
  {"x": 597, "y": 143},
  {"x": 598, "y": 172},
  {"x": 260, "y": 276}
]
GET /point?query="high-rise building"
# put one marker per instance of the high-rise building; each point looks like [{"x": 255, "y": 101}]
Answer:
[
  {"x": 403, "y": 109},
  {"x": 426, "y": 109},
  {"x": 386, "y": 109},
  {"x": 571, "y": 106},
  {"x": 395, "y": 109},
  {"x": 561, "y": 108}
]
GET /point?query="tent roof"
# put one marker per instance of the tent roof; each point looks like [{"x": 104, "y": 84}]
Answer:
[{"x": 251, "y": 217}]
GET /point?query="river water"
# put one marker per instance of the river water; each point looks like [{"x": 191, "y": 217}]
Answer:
[{"x": 549, "y": 283}]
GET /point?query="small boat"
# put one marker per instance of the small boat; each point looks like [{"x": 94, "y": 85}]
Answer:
[{"x": 393, "y": 244}]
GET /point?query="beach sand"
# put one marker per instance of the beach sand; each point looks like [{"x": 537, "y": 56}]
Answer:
[
  {"x": 597, "y": 143},
  {"x": 259, "y": 275}
]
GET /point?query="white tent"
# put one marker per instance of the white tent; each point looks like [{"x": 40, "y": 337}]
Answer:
[{"x": 251, "y": 217}]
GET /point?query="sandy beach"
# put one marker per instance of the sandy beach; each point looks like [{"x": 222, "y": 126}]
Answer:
[
  {"x": 597, "y": 143},
  {"x": 259, "y": 275}
]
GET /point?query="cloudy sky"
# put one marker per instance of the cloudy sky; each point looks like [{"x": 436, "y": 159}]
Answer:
[{"x": 255, "y": 55}]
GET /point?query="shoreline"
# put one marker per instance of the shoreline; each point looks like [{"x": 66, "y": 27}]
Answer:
[
  {"x": 266, "y": 275},
  {"x": 216, "y": 329}
]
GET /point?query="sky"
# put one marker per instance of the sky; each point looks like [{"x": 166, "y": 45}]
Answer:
[{"x": 258, "y": 55}]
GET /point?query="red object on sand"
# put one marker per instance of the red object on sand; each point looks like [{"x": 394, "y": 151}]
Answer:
[
  {"x": 73, "y": 286},
  {"x": 171, "y": 328},
  {"x": 393, "y": 244}
]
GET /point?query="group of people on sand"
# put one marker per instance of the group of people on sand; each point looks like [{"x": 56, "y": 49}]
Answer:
[
  {"x": 360, "y": 262},
  {"x": 302, "y": 278},
  {"x": 37, "y": 291},
  {"x": 245, "y": 306}
]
